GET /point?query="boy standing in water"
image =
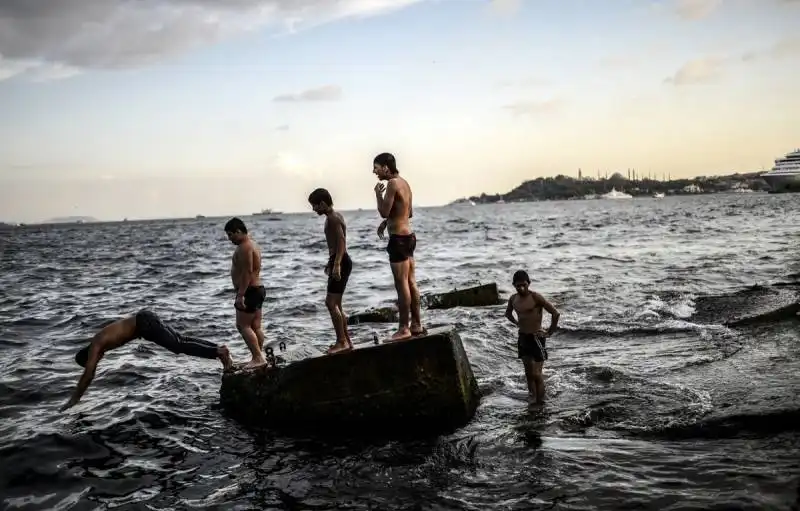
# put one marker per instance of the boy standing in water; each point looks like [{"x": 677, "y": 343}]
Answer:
[
  {"x": 531, "y": 341},
  {"x": 339, "y": 265}
]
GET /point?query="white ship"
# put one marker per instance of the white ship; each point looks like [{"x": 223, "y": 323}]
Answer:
[
  {"x": 614, "y": 194},
  {"x": 785, "y": 175}
]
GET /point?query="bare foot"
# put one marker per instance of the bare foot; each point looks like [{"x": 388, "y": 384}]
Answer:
[
  {"x": 418, "y": 330},
  {"x": 225, "y": 357},
  {"x": 339, "y": 348},
  {"x": 253, "y": 364},
  {"x": 403, "y": 334}
]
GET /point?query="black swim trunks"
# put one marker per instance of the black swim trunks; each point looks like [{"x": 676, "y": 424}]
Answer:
[
  {"x": 150, "y": 328},
  {"x": 337, "y": 287},
  {"x": 531, "y": 346},
  {"x": 401, "y": 247},
  {"x": 254, "y": 298}
]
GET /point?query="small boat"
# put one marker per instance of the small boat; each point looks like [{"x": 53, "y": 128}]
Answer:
[{"x": 614, "y": 194}]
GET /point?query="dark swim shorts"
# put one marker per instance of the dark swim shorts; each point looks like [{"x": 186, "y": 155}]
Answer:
[
  {"x": 401, "y": 247},
  {"x": 150, "y": 327},
  {"x": 337, "y": 287},
  {"x": 531, "y": 346},
  {"x": 254, "y": 298}
]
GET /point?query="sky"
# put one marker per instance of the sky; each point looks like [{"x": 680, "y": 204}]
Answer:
[{"x": 172, "y": 108}]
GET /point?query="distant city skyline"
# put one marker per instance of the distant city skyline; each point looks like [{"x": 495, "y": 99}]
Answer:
[{"x": 174, "y": 108}]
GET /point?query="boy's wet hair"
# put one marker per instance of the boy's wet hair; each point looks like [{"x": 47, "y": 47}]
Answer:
[
  {"x": 235, "y": 224},
  {"x": 82, "y": 356},
  {"x": 386, "y": 160},
  {"x": 520, "y": 276},
  {"x": 320, "y": 195}
]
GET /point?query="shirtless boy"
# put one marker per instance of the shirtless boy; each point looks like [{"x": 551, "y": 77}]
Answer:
[
  {"x": 531, "y": 342},
  {"x": 396, "y": 207},
  {"x": 339, "y": 265},
  {"x": 148, "y": 326},
  {"x": 250, "y": 294}
]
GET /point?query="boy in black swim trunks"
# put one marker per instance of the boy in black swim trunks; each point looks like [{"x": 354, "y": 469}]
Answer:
[
  {"x": 250, "y": 293},
  {"x": 532, "y": 339},
  {"x": 339, "y": 265},
  {"x": 146, "y": 325}
]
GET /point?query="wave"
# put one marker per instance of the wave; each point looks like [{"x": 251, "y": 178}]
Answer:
[
  {"x": 620, "y": 330},
  {"x": 738, "y": 425}
]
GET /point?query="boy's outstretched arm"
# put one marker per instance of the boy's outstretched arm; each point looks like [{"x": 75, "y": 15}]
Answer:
[
  {"x": 554, "y": 314},
  {"x": 510, "y": 311},
  {"x": 86, "y": 378}
]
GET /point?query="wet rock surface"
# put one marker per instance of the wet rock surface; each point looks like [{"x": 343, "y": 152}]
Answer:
[
  {"x": 376, "y": 315},
  {"x": 754, "y": 305},
  {"x": 477, "y": 296},
  {"x": 424, "y": 385}
]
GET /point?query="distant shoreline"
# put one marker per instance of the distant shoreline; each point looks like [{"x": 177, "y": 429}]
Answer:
[
  {"x": 540, "y": 189},
  {"x": 567, "y": 188}
]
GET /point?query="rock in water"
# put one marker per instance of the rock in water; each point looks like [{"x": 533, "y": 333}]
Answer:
[
  {"x": 421, "y": 386},
  {"x": 478, "y": 296},
  {"x": 380, "y": 315}
]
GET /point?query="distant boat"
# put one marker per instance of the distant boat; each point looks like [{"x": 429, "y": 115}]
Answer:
[
  {"x": 267, "y": 211},
  {"x": 614, "y": 194},
  {"x": 658, "y": 195},
  {"x": 199, "y": 217}
]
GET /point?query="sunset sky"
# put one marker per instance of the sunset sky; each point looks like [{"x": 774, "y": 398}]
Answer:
[{"x": 162, "y": 108}]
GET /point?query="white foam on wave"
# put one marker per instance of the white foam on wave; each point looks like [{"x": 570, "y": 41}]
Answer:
[{"x": 682, "y": 307}]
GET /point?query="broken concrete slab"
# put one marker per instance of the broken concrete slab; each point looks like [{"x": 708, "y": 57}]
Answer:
[
  {"x": 478, "y": 296},
  {"x": 421, "y": 386},
  {"x": 374, "y": 315}
]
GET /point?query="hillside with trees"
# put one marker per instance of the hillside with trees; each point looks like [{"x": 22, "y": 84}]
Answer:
[{"x": 562, "y": 187}]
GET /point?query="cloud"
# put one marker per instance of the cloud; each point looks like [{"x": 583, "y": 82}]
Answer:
[
  {"x": 783, "y": 48},
  {"x": 75, "y": 35},
  {"x": 696, "y": 9},
  {"x": 619, "y": 62},
  {"x": 282, "y": 127},
  {"x": 534, "y": 107},
  {"x": 786, "y": 47},
  {"x": 324, "y": 93},
  {"x": 505, "y": 7},
  {"x": 528, "y": 83},
  {"x": 697, "y": 71}
]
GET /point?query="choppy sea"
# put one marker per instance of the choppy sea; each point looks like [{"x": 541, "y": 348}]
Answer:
[{"x": 656, "y": 400}]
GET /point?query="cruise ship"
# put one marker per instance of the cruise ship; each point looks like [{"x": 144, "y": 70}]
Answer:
[{"x": 785, "y": 175}]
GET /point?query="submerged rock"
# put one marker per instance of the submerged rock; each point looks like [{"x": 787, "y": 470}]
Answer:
[
  {"x": 791, "y": 311},
  {"x": 421, "y": 386},
  {"x": 379, "y": 315},
  {"x": 478, "y": 296},
  {"x": 754, "y": 305}
]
